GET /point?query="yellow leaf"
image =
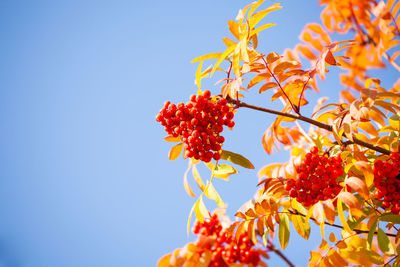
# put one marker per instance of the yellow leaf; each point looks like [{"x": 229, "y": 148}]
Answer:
[
  {"x": 342, "y": 218},
  {"x": 200, "y": 210},
  {"x": 254, "y": 7},
  {"x": 228, "y": 42},
  {"x": 175, "y": 151},
  {"x": 234, "y": 28},
  {"x": 211, "y": 193},
  {"x": 186, "y": 184},
  {"x": 236, "y": 159},
  {"x": 208, "y": 56},
  {"x": 261, "y": 28},
  {"x": 222, "y": 57},
  {"x": 315, "y": 256},
  {"x": 198, "y": 75},
  {"x": 170, "y": 138},
  {"x": 197, "y": 178},
  {"x": 284, "y": 233},
  {"x": 258, "y": 16}
]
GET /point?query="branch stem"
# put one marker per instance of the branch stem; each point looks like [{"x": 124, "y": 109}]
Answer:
[
  {"x": 310, "y": 121},
  {"x": 280, "y": 254}
]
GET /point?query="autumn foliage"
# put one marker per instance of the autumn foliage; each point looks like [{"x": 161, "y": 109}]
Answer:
[{"x": 344, "y": 168}]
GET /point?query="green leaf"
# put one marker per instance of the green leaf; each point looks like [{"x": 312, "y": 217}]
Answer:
[
  {"x": 284, "y": 232},
  {"x": 236, "y": 159},
  {"x": 390, "y": 218},
  {"x": 384, "y": 243},
  {"x": 371, "y": 235}
]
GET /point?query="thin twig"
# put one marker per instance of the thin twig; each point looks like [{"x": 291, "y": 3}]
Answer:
[
  {"x": 310, "y": 121},
  {"x": 296, "y": 109},
  {"x": 280, "y": 254},
  {"x": 359, "y": 231}
]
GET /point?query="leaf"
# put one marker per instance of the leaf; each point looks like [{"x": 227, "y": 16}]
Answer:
[
  {"x": 284, "y": 233},
  {"x": 349, "y": 199},
  {"x": 236, "y": 159},
  {"x": 261, "y": 28},
  {"x": 332, "y": 237},
  {"x": 284, "y": 65},
  {"x": 346, "y": 226},
  {"x": 175, "y": 151},
  {"x": 234, "y": 28},
  {"x": 208, "y": 56},
  {"x": 170, "y": 138},
  {"x": 267, "y": 86},
  {"x": 186, "y": 184},
  {"x": 258, "y": 79},
  {"x": 240, "y": 215},
  {"x": 258, "y": 16},
  {"x": 197, "y": 178},
  {"x": 224, "y": 55},
  {"x": 212, "y": 193},
  {"x": 272, "y": 57},
  {"x": 198, "y": 75},
  {"x": 318, "y": 213},
  {"x": 302, "y": 228},
  {"x": 390, "y": 218},
  {"x": 384, "y": 243},
  {"x": 200, "y": 210},
  {"x": 371, "y": 235},
  {"x": 223, "y": 169},
  {"x": 357, "y": 185},
  {"x": 329, "y": 211}
]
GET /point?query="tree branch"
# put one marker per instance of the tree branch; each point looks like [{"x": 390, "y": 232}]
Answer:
[
  {"x": 359, "y": 231},
  {"x": 308, "y": 120},
  {"x": 271, "y": 247}
]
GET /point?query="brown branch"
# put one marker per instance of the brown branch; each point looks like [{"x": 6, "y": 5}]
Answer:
[
  {"x": 271, "y": 247},
  {"x": 310, "y": 121},
  {"x": 359, "y": 231}
]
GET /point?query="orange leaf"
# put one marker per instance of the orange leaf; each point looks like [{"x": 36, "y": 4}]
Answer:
[
  {"x": 267, "y": 86},
  {"x": 175, "y": 151},
  {"x": 357, "y": 185},
  {"x": 349, "y": 199}
]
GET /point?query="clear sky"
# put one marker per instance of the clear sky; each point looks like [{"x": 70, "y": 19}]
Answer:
[{"x": 84, "y": 175}]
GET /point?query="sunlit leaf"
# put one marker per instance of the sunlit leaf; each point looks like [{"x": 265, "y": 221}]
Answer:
[
  {"x": 170, "y": 138},
  {"x": 175, "y": 151},
  {"x": 284, "y": 232},
  {"x": 384, "y": 243},
  {"x": 236, "y": 159},
  {"x": 208, "y": 56}
]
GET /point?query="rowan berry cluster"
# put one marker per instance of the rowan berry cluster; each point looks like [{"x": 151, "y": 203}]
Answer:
[
  {"x": 317, "y": 178},
  {"x": 224, "y": 248},
  {"x": 199, "y": 123},
  {"x": 387, "y": 182}
]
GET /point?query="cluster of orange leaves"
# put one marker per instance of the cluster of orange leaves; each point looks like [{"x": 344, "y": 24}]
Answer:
[{"x": 366, "y": 114}]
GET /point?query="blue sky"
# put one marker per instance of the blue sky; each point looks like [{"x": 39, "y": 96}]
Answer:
[{"x": 85, "y": 177}]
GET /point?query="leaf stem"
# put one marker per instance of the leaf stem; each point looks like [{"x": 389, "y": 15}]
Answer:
[
  {"x": 310, "y": 121},
  {"x": 296, "y": 109}
]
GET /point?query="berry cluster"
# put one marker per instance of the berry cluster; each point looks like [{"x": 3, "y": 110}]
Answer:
[
  {"x": 225, "y": 250},
  {"x": 316, "y": 178},
  {"x": 387, "y": 182},
  {"x": 199, "y": 123}
]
